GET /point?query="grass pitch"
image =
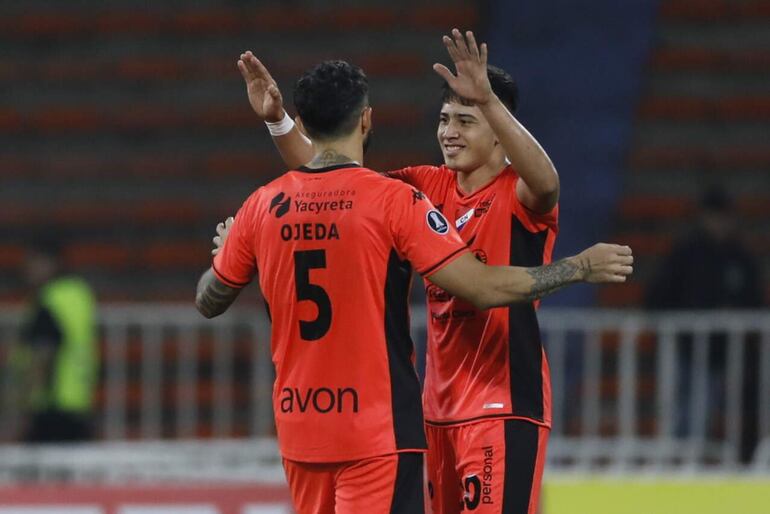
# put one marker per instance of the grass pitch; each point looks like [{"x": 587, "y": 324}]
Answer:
[{"x": 657, "y": 496}]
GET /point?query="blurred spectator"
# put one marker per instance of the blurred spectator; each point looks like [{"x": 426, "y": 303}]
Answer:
[
  {"x": 56, "y": 361},
  {"x": 711, "y": 269}
]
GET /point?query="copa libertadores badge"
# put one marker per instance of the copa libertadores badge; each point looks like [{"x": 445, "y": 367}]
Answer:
[{"x": 437, "y": 222}]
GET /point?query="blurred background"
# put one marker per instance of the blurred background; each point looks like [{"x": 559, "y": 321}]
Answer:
[{"x": 126, "y": 136}]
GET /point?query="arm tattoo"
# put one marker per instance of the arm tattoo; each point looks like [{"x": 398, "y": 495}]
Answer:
[
  {"x": 329, "y": 158},
  {"x": 213, "y": 297},
  {"x": 553, "y": 277}
]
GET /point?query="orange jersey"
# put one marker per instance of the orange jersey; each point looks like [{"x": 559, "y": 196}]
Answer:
[
  {"x": 485, "y": 364},
  {"x": 335, "y": 248}
]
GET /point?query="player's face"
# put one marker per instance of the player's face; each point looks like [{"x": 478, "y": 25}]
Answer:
[{"x": 466, "y": 139}]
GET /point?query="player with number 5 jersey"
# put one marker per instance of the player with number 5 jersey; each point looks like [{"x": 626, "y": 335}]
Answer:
[{"x": 334, "y": 246}]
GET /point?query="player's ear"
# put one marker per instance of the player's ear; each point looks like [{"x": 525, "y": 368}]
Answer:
[
  {"x": 300, "y": 126},
  {"x": 366, "y": 120}
]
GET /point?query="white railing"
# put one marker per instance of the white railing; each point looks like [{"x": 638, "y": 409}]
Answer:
[
  {"x": 671, "y": 409},
  {"x": 622, "y": 397}
]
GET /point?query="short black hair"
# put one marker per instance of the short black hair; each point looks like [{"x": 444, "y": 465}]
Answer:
[
  {"x": 503, "y": 86},
  {"x": 329, "y": 98}
]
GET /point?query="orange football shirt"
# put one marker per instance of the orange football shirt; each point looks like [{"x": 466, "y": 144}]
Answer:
[
  {"x": 485, "y": 364},
  {"x": 335, "y": 248}
]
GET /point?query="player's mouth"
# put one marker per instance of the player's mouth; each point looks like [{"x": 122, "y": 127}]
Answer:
[{"x": 451, "y": 150}]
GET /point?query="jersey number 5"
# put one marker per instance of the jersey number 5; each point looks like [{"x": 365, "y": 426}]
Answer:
[{"x": 304, "y": 261}]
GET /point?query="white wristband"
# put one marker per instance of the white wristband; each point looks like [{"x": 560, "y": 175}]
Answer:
[{"x": 280, "y": 128}]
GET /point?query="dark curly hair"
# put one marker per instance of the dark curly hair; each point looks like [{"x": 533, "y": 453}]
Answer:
[
  {"x": 330, "y": 97},
  {"x": 502, "y": 84}
]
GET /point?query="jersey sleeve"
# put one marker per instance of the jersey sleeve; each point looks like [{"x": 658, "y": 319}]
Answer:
[
  {"x": 416, "y": 176},
  {"x": 421, "y": 233},
  {"x": 534, "y": 221},
  {"x": 236, "y": 263}
]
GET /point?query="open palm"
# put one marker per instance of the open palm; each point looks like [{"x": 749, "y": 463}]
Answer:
[
  {"x": 470, "y": 61},
  {"x": 264, "y": 96}
]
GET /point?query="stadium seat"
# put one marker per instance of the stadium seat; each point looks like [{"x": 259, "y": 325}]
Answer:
[{"x": 717, "y": 11}]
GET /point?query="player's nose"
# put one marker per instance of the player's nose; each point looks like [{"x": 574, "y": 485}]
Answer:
[{"x": 450, "y": 132}]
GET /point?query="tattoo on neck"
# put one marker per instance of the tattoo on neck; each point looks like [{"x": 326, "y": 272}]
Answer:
[
  {"x": 553, "y": 277},
  {"x": 329, "y": 158}
]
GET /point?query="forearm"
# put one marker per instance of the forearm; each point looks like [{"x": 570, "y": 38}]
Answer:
[
  {"x": 527, "y": 157},
  {"x": 509, "y": 284},
  {"x": 294, "y": 147},
  {"x": 495, "y": 286},
  {"x": 213, "y": 297}
]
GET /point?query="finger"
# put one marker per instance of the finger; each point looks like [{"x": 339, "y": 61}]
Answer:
[
  {"x": 217, "y": 241},
  {"x": 622, "y": 270},
  {"x": 220, "y": 228},
  {"x": 274, "y": 92},
  {"x": 449, "y": 43},
  {"x": 472, "y": 46},
  {"x": 484, "y": 53},
  {"x": 244, "y": 70},
  {"x": 246, "y": 59},
  {"x": 215, "y": 251},
  {"x": 624, "y": 259},
  {"x": 229, "y": 221},
  {"x": 444, "y": 72},
  {"x": 460, "y": 43},
  {"x": 261, "y": 70}
]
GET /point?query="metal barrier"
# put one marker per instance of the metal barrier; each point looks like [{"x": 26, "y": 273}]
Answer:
[{"x": 631, "y": 390}]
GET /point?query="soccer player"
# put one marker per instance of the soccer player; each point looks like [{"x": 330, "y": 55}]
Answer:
[{"x": 334, "y": 244}]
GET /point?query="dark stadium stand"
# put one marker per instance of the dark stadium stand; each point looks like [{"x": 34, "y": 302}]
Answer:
[
  {"x": 703, "y": 118},
  {"x": 130, "y": 131}
]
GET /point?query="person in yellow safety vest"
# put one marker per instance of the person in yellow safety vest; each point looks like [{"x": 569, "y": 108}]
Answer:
[{"x": 58, "y": 355}]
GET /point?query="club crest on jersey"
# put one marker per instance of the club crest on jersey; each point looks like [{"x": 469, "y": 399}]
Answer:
[
  {"x": 437, "y": 222},
  {"x": 465, "y": 218},
  {"x": 283, "y": 205}
]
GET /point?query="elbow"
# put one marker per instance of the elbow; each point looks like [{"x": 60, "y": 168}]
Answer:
[
  {"x": 205, "y": 309},
  {"x": 549, "y": 186},
  {"x": 549, "y": 190}
]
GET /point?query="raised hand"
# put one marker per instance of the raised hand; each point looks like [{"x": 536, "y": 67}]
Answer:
[
  {"x": 606, "y": 263},
  {"x": 470, "y": 61},
  {"x": 222, "y": 230},
  {"x": 264, "y": 96}
]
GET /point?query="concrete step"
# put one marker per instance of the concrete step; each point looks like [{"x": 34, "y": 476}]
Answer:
[
  {"x": 688, "y": 183},
  {"x": 701, "y": 60},
  {"x": 728, "y": 37},
  {"x": 708, "y": 85},
  {"x": 695, "y": 133},
  {"x": 226, "y": 92}
]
